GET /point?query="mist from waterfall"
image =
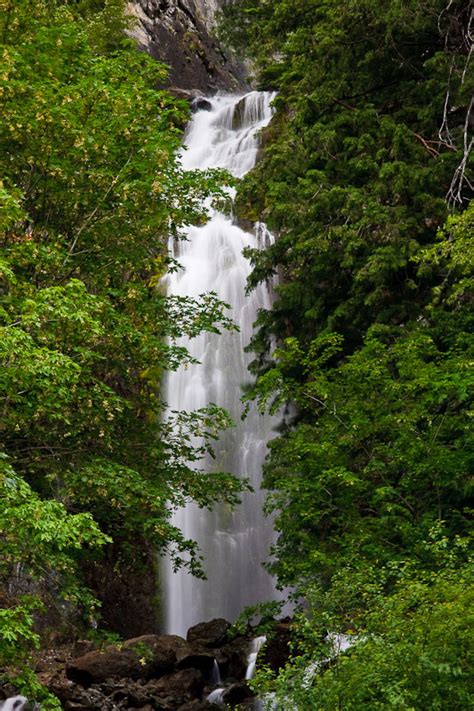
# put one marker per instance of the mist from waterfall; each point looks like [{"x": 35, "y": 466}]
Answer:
[{"x": 233, "y": 543}]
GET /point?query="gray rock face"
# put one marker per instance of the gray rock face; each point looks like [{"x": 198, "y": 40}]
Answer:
[{"x": 179, "y": 33}]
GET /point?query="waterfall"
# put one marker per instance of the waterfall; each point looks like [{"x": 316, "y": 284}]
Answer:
[
  {"x": 15, "y": 703},
  {"x": 233, "y": 543},
  {"x": 257, "y": 644},
  {"x": 216, "y": 674},
  {"x": 216, "y": 696}
]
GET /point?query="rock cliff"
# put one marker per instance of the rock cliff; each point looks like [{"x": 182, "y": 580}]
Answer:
[{"x": 180, "y": 33}]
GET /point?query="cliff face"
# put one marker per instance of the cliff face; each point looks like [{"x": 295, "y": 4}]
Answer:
[{"x": 179, "y": 33}]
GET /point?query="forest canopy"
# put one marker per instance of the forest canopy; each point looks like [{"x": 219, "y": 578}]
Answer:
[{"x": 366, "y": 179}]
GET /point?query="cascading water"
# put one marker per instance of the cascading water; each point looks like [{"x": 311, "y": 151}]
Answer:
[
  {"x": 17, "y": 703},
  {"x": 233, "y": 543},
  {"x": 257, "y": 645}
]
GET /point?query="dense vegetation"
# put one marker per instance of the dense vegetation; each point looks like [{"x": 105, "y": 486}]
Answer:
[
  {"x": 92, "y": 189},
  {"x": 366, "y": 178}
]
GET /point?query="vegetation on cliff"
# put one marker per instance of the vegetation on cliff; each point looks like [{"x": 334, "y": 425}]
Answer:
[{"x": 366, "y": 178}]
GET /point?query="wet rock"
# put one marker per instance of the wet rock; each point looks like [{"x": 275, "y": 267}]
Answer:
[
  {"x": 232, "y": 658},
  {"x": 62, "y": 687},
  {"x": 201, "y": 105},
  {"x": 182, "y": 686},
  {"x": 202, "y": 661},
  {"x": 276, "y": 651},
  {"x": 138, "y": 696},
  {"x": 91, "y": 700},
  {"x": 209, "y": 634},
  {"x": 238, "y": 693},
  {"x": 239, "y": 114},
  {"x": 178, "y": 644},
  {"x": 198, "y": 706},
  {"x": 138, "y": 658},
  {"x": 186, "y": 94}
]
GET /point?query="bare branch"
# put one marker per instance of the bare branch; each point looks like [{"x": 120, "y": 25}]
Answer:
[
  {"x": 454, "y": 194},
  {"x": 444, "y": 132},
  {"x": 92, "y": 214}
]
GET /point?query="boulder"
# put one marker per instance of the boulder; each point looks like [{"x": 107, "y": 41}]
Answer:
[
  {"x": 92, "y": 700},
  {"x": 239, "y": 115},
  {"x": 276, "y": 651},
  {"x": 139, "y": 658},
  {"x": 138, "y": 696},
  {"x": 182, "y": 686},
  {"x": 179, "y": 645},
  {"x": 209, "y": 634},
  {"x": 201, "y": 104},
  {"x": 238, "y": 693},
  {"x": 62, "y": 687},
  {"x": 204, "y": 661},
  {"x": 233, "y": 658}
]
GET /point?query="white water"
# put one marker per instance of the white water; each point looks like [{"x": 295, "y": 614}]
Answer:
[
  {"x": 216, "y": 674},
  {"x": 233, "y": 543},
  {"x": 216, "y": 696},
  {"x": 257, "y": 644},
  {"x": 15, "y": 703}
]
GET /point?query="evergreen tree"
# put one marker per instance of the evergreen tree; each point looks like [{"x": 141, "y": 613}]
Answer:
[{"x": 365, "y": 178}]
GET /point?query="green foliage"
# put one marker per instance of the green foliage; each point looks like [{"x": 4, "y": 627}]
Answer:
[
  {"x": 17, "y": 641},
  {"x": 373, "y": 320},
  {"x": 92, "y": 189},
  {"x": 38, "y": 541},
  {"x": 383, "y": 449},
  {"x": 259, "y": 618},
  {"x": 354, "y": 175},
  {"x": 410, "y": 648}
]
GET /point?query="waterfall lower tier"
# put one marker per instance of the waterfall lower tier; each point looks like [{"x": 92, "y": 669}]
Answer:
[
  {"x": 233, "y": 543},
  {"x": 17, "y": 703},
  {"x": 252, "y": 658}
]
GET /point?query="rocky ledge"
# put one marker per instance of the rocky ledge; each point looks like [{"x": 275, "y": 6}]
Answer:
[{"x": 160, "y": 672}]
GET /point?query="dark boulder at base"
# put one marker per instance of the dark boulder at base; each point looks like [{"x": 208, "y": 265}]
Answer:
[
  {"x": 157, "y": 672},
  {"x": 197, "y": 660},
  {"x": 276, "y": 651},
  {"x": 62, "y": 687},
  {"x": 182, "y": 686},
  {"x": 233, "y": 658},
  {"x": 209, "y": 634},
  {"x": 139, "y": 658},
  {"x": 238, "y": 693}
]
